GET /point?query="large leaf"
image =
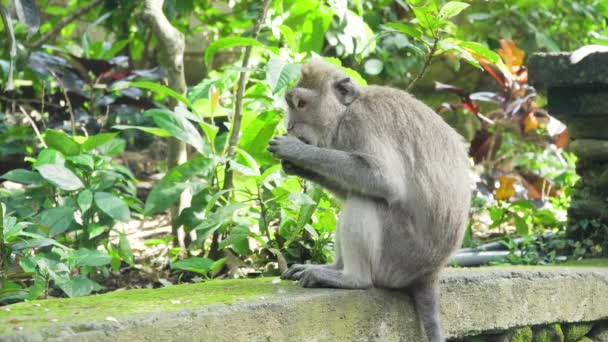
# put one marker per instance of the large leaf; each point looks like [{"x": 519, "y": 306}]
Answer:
[
  {"x": 85, "y": 200},
  {"x": 97, "y": 140},
  {"x": 77, "y": 287},
  {"x": 281, "y": 74},
  {"x": 169, "y": 188},
  {"x": 89, "y": 257},
  {"x": 60, "y": 176},
  {"x": 159, "y": 132},
  {"x": 113, "y": 147},
  {"x": 179, "y": 126},
  {"x": 113, "y": 206},
  {"x": 22, "y": 176},
  {"x": 405, "y": 29},
  {"x": 257, "y": 134},
  {"x": 452, "y": 9},
  {"x": 49, "y": 156},
  {"x": 194, "y": 264},
  {"x": 162, "y": 90},
  {"x": 58, "y": 219},
  {"x": 226, "y": 43},
  {"x": 61, "y": 142},
  {"x": 124, "y": 249}
]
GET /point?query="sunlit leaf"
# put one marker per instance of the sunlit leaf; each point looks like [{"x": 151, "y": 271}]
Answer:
[
  {"x": 113, "y": 206},
  {"x": 506, "y": 189},
  {"x": 229, "y": 42},
  {"x": 452, "y": 9},
  {"x": 60, "y": 176},
  {"x": 406, "y": 29}
]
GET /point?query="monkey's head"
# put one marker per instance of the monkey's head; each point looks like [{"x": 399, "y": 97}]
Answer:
[{"x": 318, "y": 101}]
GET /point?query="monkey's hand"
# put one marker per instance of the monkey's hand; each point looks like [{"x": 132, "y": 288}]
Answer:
[{"x": 286, "y": 147}]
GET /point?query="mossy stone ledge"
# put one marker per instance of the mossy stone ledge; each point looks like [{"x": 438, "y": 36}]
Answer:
[{"x": 577, "y": 94}]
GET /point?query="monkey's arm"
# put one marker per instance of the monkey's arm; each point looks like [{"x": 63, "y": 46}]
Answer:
[
  {"x": 335, "y": 188},
  {"x": 353, "y": 171}
]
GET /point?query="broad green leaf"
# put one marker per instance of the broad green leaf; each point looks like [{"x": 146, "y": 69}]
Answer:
[
  {"x": 226, "y": 43},
  {"x": 480, "y": 50},
  {"x": 84, "y": 160},
  {"x": 113, "y": 206},
  {"x": 238, "y": 240},
  {"x": 256, "y": 136},
  {"x": 162, "y": 90},
  {"x": 426, "y": 19},
  {"x": 170, "y": 187},
  {"x": 61, "y": 142},
  {"x": 89, "y": 257},
  {"x": 97, "y": 140},
  {"x": 348, "y": 71},
  {"x": 77, "y": 287},
  {"x": 281, "y": 74},
  {"x": 60, "y": 176},
  {"x": 179, "y": 126},
  {"x": 195, "y": 264},
  {"x": 85, "y": 200},
  {"x": 58, "y": 219},
  {"x": 35, "y": 243},
  {"x": 159, "y": 132},
  {"x": 405, "y": 29},
  {"x": 22, "y": 176},
  {"x": 307, "y": 210},
  {"x": 451, "y": 9},
  {"x": 113, "y": 147},
  {"x": 289, "y": 36},
  {"x": 124, "y": 249},
  {"x": 49, "y": 156}
]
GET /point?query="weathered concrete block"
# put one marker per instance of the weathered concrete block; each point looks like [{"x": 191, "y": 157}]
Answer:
[
  {"x": 590, "y": 149},
  {"x": 473, "y": 301},
  {"x": 578, "y": 101},
  {"x": 549, "y": 70}
]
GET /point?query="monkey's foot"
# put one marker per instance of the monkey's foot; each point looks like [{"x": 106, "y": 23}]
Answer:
[
  {"x": 296, "y": 270},
  {"x": 327, "y": 277}
]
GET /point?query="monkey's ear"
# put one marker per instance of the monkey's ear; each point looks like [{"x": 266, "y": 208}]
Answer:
[{"x": 346, "y": 90}]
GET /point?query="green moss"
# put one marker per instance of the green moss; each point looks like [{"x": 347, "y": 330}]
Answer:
[
  {"x": 576, "y": 331},
  {"x": 32, "y": 315},
  {"x": 591, "y": 262},
  {"x": 585, "y": 339},
  {"x": 521, "y": 335},
  {"x": 550, "y": 333}
]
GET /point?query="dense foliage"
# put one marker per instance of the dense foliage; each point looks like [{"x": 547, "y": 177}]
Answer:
[{"x": 83, "y": 90}]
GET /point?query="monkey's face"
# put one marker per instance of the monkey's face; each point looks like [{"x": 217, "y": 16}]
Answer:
[{"x": 315, "y": 110}]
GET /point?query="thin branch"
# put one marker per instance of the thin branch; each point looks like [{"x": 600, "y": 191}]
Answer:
[
  {"x": 238, "y": 105},
  {"x": 33, "y": 123},
  {"x": 70, "y": 110},
  {"x": 63, "y": 23},
  {"x": 427, "y": 62}
]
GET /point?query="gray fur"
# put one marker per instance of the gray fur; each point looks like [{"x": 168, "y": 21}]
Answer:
[{"x": 402, "y": 173}]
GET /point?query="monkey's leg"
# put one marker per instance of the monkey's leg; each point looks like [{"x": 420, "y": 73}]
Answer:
[{"x": 326, "y": 277}]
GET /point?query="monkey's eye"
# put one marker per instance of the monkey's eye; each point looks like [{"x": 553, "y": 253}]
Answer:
[{"x": 301, "y": 104}]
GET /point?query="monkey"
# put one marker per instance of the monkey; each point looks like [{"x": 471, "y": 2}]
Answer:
[{"x": 402, "y": 173}]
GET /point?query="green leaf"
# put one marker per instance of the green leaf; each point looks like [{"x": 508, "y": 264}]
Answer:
[
  {"x": 452, "y": 9},
  {"x": 480, "y": 50},
  {"x": 85, "y": 200},
  {"x": 60, "y": 176},
  {"x": 289, "y": 36},
  {"x": 307, "y": 210},
  {"x": 257, "y": 134},
  {"x": 226, "y": 43},
  {"x": 49, "y": 156},
  {"x": 159, "y": 132},
  {"x": 89, "y": 257},
  {"x": 179, "y": 126},
  {"x": 426, "y": 19},
  {"x": 238, "y": 240},
  {"x": 77, "y": 287},
  {"x": 170, "y": 187},
  {"x": 162, "y": 90},
  {"x": 97, "y": 140},
  {"x": 405, "y": 29},
  {"x": 84, "y": 160},
  {"x": 124, "y": 249},
  {"x": 35, "y": 243},
  {"x": 113, "y": 147},
  {"x": 350, "y": 72},
  {"x": 22, "y": 176},
  {"x": 113, "y": 206},
  {"x": 194, "y": 264},
  {"x": 61, "y": 142},
  {"x": 521, "y": 226},
  {"x": 58, "y": 219},
  {"x": 281, "y": 74}
]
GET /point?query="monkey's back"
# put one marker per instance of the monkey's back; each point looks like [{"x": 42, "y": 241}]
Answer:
[{"x": 435, "y": 164}]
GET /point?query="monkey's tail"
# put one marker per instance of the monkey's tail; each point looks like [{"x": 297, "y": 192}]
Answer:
[{"x": 426, "y": 300}]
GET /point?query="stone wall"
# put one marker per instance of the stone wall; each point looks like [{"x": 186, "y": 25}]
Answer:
[
  {"x": 577, "y": 94},
  {"x": 484, "y": 304}
]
